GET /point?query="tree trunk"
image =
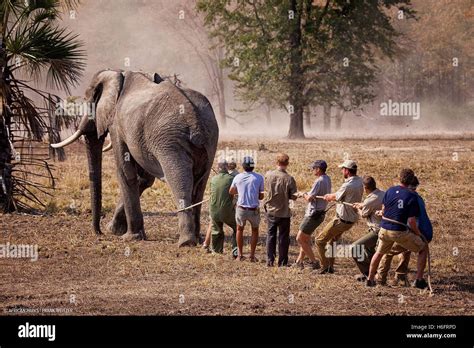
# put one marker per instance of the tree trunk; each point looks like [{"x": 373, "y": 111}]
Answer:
[
  {"x": 296, "y": 124},
  {"x": 268, "y": 114},
  {"x": 296, "y": 130},
  {"x": 339, "y": 115},
  {"x": 221, "y": 96},
  {"x": 327, "y": 116},
  {"x": 6, "y": 198},
  {"x": 307, "y": 117}
]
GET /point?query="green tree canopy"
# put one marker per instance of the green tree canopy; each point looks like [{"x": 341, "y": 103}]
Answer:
[{"x": 301, "y": 52}]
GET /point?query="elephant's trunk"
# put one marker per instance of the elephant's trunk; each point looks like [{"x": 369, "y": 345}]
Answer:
[{"x": 94, "y": 157}]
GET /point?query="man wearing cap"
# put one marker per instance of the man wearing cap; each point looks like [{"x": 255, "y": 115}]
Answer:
[
  {"x": 249, "y": 188},
  {"x": 280, "y": 188},
  {"x": 221, "y": 208},
  {"x": 399, "y": 211},
  {"x": 363, "y": 249},
  {"x": 315, "y": 213},
  {"x": 351, "y": 191}
]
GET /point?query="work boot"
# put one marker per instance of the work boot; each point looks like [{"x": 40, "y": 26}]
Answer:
[
  {"x": 400, "y": 280},
  {"x": 381, "y": 280},
  {"x": 420, "y": 284},
  {"x": 314, "y": 265},
  {"x": 328, "y": 270},
  {"x": 370, "y": 283}
]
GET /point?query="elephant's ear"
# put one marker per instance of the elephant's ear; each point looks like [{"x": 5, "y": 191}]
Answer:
[{"x": 107, "y": 88}]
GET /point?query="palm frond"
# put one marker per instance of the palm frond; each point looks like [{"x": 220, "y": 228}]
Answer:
[{"x": 44, "y": 47}]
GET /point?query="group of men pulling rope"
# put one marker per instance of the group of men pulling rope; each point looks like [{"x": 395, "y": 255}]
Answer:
[{"x": 397, "y": 220}]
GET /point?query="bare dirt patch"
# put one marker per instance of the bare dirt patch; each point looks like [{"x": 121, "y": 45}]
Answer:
[{"x": 84, "y": 274}]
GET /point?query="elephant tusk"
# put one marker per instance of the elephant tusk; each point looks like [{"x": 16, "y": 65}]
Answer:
[
  {"x": 68, "y": 141},
  {"x": 108, "y": 147}
]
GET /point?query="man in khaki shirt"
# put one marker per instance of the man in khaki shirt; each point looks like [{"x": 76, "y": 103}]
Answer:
[
  {"x": 351, "y": 191},
  {"x": 280, "y": 188},
  {"x": 363, "y": 249}
]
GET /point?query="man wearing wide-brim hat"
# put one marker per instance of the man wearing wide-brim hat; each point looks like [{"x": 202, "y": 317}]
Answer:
[{"x": 351, "y": 191}]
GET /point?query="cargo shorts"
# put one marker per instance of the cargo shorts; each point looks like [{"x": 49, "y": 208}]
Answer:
[
  {"x": 243, "y": 215},
  {"x": 310, "y": 223},
  {"x": 406, "y": 239}
]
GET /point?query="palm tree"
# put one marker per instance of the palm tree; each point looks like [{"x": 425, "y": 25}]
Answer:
[{"x": 34, "y": 49}]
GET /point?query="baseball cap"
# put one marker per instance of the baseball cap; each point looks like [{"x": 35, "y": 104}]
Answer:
[
  {"x": 349, "y": 164},
  {"x": 319, "y": 164},
  {"x": 248, "y": 162}
]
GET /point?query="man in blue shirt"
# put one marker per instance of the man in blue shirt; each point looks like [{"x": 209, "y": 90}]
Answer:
[
  {"x": 249, "y": 187},
  {"x": 400, "y": 205},
  {"x": 424, "y": 225}
]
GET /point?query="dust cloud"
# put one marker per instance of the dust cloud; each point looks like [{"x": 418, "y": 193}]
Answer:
[{"x": 141, "y": 35}]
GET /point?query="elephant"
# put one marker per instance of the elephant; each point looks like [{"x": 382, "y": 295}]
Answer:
[{"x": 157, "y": 130}]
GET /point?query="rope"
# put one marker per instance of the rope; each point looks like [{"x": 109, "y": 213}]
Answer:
[
  {"x": 193, "y": 205},
  {"x": 424, "y": 239},
  {"x": 407, "y": 227}
]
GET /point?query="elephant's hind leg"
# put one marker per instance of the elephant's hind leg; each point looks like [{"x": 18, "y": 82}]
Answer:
[{"x": 118, "y": 224}]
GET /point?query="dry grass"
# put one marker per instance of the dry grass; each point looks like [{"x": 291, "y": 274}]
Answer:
[{"x": 107, "y": 276}]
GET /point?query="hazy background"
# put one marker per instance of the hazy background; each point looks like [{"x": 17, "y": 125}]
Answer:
[{"x": 145, "y": 35}]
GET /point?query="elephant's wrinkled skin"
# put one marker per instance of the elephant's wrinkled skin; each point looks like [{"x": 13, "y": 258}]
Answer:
[{"x": 156, "y": 129}]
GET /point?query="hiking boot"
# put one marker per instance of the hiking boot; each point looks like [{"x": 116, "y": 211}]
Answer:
[
  {"x": 420, "y": 284},
  {"x": 270, "y": 263},
  {"x": 314, "y": 265},
  {"x": 370, "y": 283},
  {"x": 400, "y": 280},
  {"x": 328, "y": 270},
  {"x": 380, "y": 280},
  {"x": 361, "y": 277}
]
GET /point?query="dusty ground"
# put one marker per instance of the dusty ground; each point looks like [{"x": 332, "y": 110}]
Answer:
[{"x": 78, "y": 273}]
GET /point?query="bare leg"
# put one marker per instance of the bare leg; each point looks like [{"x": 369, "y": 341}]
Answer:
[
  {"x": 301, "y": 256},
  {"x": 421, "y": 264},
  {"x": 207, "y": 241},
  {"x": 253, "y": 243},
  {"x": 304, "y": 241},
  {"x": 374, "y": 264},
  {"x": 240, "y": 241}
]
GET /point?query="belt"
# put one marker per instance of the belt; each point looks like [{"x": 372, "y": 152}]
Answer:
[
  {"x": 346, "y": 222},
  {"x": 246, "y": 208}
]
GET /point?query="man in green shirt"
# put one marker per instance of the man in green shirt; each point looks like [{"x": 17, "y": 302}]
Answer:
[{"x": 221, "y": 207}]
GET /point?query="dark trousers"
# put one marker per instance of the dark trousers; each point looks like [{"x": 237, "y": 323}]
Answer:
[
  {"x": 282, "y": 225},
  {"x": 362, "y": 251}
]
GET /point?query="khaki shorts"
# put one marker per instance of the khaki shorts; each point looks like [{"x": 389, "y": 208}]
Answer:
[
  {"x": 406, "y": 239},
  {"x": 252, "y": 216},
  {"x": 310, "y": 223}
]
